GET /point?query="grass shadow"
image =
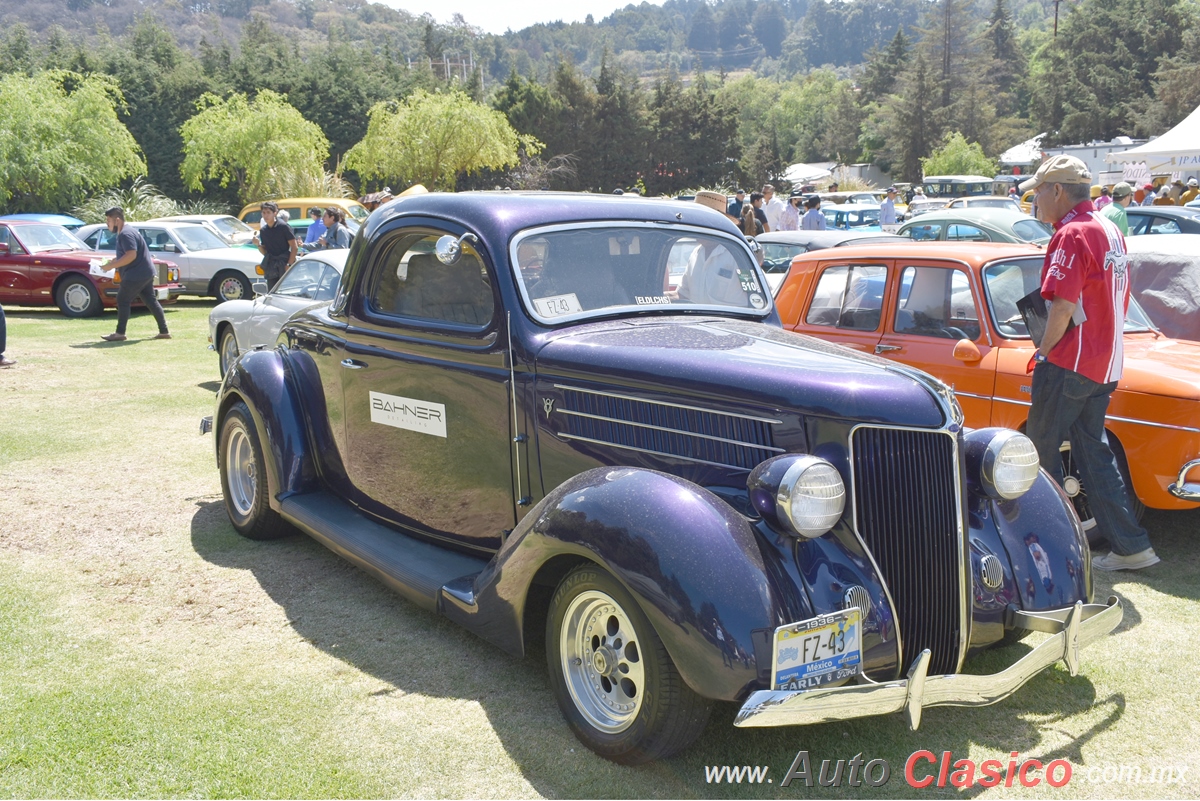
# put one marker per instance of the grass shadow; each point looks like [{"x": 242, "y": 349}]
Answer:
[
  {"x": 348, "y": 615},
  {"x": 105, "y": 345},
  {"x": 211, "y": 386}
]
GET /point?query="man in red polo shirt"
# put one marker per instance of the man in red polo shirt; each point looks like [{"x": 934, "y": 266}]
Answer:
[{"x": 1085, "y": 278}]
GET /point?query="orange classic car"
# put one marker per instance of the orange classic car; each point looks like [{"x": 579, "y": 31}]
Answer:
[{"x": 950, "y": 309}]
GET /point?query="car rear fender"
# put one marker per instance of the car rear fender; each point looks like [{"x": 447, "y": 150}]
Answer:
[
  {"x": 691, "y": 562},
  {"x": 263, "y": 380}
]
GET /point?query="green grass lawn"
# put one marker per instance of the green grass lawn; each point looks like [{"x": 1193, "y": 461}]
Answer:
[{"x": 147, "y": 650}]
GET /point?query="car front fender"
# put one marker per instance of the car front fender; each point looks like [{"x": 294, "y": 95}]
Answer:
[
  {"x": 691, "y": 562},
  {"x": 263, "y": 380}
]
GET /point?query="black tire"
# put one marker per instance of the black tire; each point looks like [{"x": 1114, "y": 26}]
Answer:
[
  {"x": 226, "y": 347},
  {"x": 230, "y": 285},
  {"x": 664, "y": 715},
  {"x": 244, "y": 478},
  {"x": 76, "y": 297}
]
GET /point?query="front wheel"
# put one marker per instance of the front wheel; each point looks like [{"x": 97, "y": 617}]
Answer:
[
  {"x": 614, "y": 681},
  {"x": 227, "y": 350},
  {"x": 232, "y": 286},
  {"x": 244, "y": 478},
  {"x": 77, "y": 297}
]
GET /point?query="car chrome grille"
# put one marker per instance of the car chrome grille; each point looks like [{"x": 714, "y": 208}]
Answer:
[
  {"x": 906, "y": 510},
  {"x": 717, "y": 438}
]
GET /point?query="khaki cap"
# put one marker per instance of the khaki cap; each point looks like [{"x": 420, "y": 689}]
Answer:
[
  {"x": 1122, "y": 189},
  {"x": 1059, "y": 170},
  {"x": 714, "y": 200}
]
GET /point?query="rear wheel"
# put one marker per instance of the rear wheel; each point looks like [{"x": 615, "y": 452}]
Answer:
[
  {"x": 1077, "y": 492},
  {"x": 244, "y": 478},
  {"x": 232, "y": 286},
  {"x": 77, "y": 297},
  {"x": 611, "y": 675}
]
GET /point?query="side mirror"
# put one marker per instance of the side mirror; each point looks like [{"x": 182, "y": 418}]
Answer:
[
  {"x": 3, "y": 247},
  {"x": 967, "y": 351},
  {"x": 260, "y": 288},
  {"x": 449, "y": 249},
  {"x": 170, "y": 248}
]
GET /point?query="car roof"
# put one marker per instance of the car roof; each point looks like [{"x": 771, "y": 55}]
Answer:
[
  {"x": 992, "y": 216},
  {"x": 189, "y": 217},
  {"x": 825, "y": 239},
  {"x": 304, "y": 201},
  {"x": 334, "y": 258},
  {"x": 44, "y": 219},
  {"x": 1182, "y": 212},
  {"x": 502, "y": 213},
  {"x": 974, "y": 254}
]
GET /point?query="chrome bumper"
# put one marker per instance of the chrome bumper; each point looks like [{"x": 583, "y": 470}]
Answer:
[
  {"x": 1181, "y": 488},
  {"x": 1071, "y": 628}
]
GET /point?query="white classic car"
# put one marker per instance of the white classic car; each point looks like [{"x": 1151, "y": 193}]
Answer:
[
  {"x": 242, "y": 325},
  {"x": 207, "y": 266},
  {"x": 230, "y": 229}
]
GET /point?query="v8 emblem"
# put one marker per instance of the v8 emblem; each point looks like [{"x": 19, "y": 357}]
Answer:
[{"x": 548, "y": 405}]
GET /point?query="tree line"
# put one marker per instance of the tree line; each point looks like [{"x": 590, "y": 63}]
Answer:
[{"x": 979, "y": 70}]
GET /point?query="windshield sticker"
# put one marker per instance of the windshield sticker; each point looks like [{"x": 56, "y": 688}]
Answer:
[
  {"x": 408, "y": 413},
  {"x": 557, "y": 305},
  {"x": 758, "y": 301},
  {"x": 652, "y": 300}
]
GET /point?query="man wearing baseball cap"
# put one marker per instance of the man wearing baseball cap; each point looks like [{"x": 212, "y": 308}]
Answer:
[
  {"x": 1085, "y": 279},
  {"x": 1190, "y": 194},
  {"x": 1122, "y": 196}
]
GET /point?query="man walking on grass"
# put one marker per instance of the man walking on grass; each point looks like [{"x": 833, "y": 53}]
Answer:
[
  {"x": 277, "y": 243},
  {"x": 1085, "y": 279},
  {"x": 137, "y": 275}
]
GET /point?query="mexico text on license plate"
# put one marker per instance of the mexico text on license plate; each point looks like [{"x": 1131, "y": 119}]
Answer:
[{"x": 817, "y": 651}]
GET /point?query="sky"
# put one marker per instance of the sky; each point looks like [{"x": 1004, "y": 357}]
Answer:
[{"x": 496, "y": 16}]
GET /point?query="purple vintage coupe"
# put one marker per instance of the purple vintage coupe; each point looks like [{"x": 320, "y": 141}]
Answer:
[{"x": 578, "y": 414}]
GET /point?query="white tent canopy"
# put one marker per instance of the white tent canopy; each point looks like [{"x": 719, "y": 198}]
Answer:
[
  {"x": 806, "y": 173},
  {"x": 1028, "y": 152},
  {"x": 1178, "y": 148}
]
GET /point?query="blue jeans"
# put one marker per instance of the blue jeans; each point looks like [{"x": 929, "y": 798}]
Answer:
[{"x": 1070, "y": 406}]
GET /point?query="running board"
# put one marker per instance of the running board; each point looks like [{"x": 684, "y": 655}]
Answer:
[{"x": 414, "y": 568}]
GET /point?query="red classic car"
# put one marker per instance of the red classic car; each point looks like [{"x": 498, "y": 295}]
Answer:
[
  {"x": 949, "y": 308},
  {"x": 44, "y": 265}
]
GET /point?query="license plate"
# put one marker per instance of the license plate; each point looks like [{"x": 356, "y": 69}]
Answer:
[{"x": 817, "y": 651}]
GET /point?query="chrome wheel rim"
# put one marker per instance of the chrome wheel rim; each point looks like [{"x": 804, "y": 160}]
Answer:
[
  {"x": 230, "y": 289},
  {"x": 229, "y": 352},
  {"x": 77, "y": 298},
  {"x": 240, "y": 471},
  {"x": 602, "y": 662}
]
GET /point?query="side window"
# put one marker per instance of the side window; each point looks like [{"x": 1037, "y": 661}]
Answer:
[
  {"x": 1162, "y": 225},
  {"x": 936, "y": 302},
  {"x": 1138, "y": 224},
  {"x": 924, "y": 232},
  {"x": 102, "y": 239},
  {"x": 959, "y": 232},
  {"x": 156, "y": 239},
  {"x": 849, "y": 297},
  {"x": 6, "y": 238},
  {"x": 409, "y": 281},
  {"x": 329, "y": 284},
  {"x": 302, "y": 281}
]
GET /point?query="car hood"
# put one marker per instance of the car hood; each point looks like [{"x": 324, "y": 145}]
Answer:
[
  {"x": 752, "y": 364},
  {"x": 1163, "y": 366}
]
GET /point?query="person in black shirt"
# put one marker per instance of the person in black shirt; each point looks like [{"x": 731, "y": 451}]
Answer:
[
  {"x": 137, "y": 275},
  {"x": 277, "y": 243}
]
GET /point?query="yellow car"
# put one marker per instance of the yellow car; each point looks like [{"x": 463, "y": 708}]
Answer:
[{"x": 299, "y": 207}]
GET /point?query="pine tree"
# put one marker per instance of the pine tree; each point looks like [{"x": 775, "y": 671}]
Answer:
[{"x": 702, "y": 36}]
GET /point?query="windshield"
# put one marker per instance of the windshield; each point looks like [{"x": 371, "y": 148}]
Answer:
[
  {"x": 43, "y": 238},
  {"x": 777, "y": 257},
  {"x": 231, "y": 226},
  {"x": 195, "y": 237},
  {"x": 588, "y": 271},
  {"x": 1009, "y": 281},
  {"x": 1033, "y": 230}
]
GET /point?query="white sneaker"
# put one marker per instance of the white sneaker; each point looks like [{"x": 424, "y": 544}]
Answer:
[{"x": 1134, "y": 561}]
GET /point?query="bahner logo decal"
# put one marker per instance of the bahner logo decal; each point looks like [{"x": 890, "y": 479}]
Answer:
[{"x": 408, "y": 413}]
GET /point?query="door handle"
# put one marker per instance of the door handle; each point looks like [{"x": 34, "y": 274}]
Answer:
[
  {"x": 885, "y": 348},
  {"x": 351, "y": 364}
]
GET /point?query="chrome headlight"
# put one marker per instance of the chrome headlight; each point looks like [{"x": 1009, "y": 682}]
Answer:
[
  {"x": 799, "y": 492},
  {"x": 1009, "y": 465}
]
